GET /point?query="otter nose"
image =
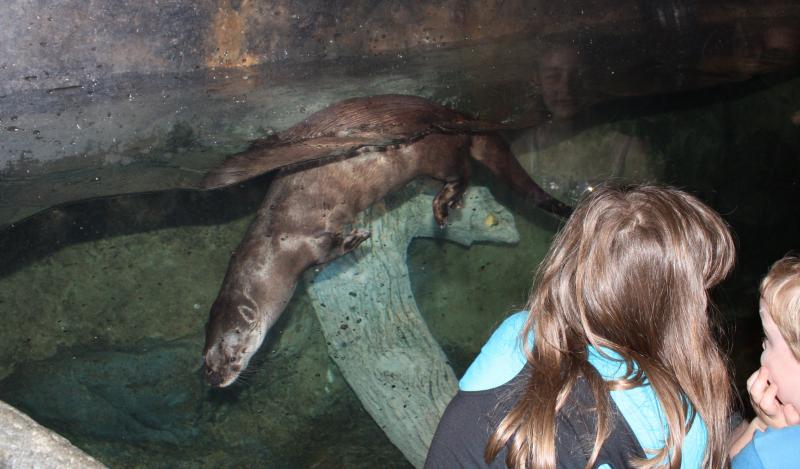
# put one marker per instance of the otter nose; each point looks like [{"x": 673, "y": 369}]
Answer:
[{"x": 213, "y": 378}]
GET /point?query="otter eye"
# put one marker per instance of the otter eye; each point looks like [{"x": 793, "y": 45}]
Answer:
[{"x": 232, "y": 359}]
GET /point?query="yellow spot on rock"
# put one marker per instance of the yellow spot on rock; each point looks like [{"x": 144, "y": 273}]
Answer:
[
  {"x": 490, "y": 220},
  {"x": 229, "y": 35}
]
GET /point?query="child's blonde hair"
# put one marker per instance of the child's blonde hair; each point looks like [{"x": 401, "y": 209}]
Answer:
[{"x": 780, "y": 290}]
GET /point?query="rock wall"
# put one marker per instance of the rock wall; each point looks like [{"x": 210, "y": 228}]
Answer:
[{"x": 104, "y": 97}]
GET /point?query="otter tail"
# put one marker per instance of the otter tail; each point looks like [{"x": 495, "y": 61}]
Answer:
[
  {"x": 494, "y": 153},
  {"x": 265, "y": 156}
]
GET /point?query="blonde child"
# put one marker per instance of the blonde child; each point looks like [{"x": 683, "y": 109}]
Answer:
[{"x": 772, "y": 439}]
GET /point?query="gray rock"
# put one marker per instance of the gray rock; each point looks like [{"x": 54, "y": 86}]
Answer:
[
  {"x": 24, "y": 443},
  {"x": 374, "y": 330}
]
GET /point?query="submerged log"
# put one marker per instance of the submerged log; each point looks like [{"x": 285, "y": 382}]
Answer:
[{"x": 374, "y": 330}]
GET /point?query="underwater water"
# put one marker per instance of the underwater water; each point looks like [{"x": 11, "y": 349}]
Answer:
[
  {"x": 106, "y": 348},
  {"x": 103, "y": 300},
  {"x": 103, "y": 316}
]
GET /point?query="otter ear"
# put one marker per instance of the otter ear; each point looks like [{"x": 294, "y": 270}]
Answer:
[
  {"x": 247, "y": 313},
  {"x": 273, "y": 154}
]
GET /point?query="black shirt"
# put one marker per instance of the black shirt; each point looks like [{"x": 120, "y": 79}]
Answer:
[{"x": 472, "y": 417}]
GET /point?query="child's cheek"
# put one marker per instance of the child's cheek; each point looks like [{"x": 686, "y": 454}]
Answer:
[
  {"x": 766, "y": 366},
  {"x": 782, "y": 397}
]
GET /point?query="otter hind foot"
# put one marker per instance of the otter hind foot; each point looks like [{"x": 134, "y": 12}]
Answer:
[{"x": 448, "y": 198}]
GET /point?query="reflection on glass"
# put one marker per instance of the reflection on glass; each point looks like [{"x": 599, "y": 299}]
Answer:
[{"x": 565, "y": 155}]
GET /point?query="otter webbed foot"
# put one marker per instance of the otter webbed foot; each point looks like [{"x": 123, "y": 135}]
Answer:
[{"x": 448, "y": 198}]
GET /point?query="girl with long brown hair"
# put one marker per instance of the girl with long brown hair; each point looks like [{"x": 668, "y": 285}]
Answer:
[{"x": 616, "y": 364}]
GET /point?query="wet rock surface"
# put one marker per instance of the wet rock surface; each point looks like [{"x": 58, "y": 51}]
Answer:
[{"x": 24, "y": 443}]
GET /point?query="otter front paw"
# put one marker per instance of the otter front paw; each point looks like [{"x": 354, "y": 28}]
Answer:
[{"x": 354, "y": 239}]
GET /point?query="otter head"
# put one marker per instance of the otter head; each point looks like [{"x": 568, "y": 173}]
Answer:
[{"x": 233, "y": 334}]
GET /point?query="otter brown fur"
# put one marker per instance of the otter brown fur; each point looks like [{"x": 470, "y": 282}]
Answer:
[{"x": 378, "y": 145}]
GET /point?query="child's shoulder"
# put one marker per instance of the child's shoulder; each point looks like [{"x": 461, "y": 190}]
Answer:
[{"x": 772, "y": 449}]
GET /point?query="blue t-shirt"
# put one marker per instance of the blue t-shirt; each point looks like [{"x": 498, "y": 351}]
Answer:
[
  {"x": 503, "y": 357},
  {"x": 772, "y": 449}
]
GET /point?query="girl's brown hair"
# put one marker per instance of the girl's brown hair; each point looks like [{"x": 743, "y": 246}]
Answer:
[{"x": 629, "y": 271}]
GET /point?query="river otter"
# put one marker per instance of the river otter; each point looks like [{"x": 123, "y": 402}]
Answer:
[{"x": 355, "y": 152}]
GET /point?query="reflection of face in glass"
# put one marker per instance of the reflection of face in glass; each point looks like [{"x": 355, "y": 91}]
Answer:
[{"x": 560, "y": 82}]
